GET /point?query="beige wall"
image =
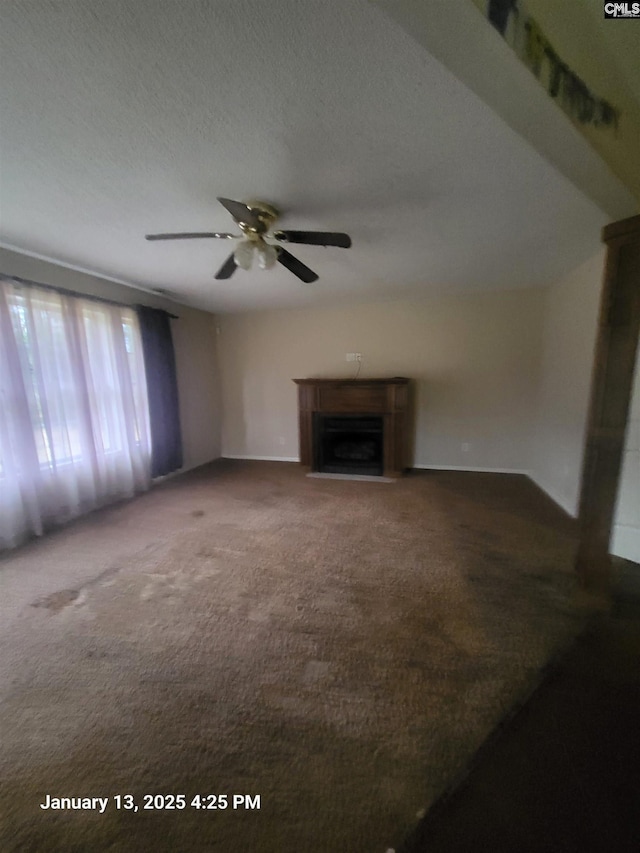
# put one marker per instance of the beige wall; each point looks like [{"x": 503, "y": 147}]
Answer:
[
  {"x": 194, "y": 342},
  {"x": 474, "y": 359},
  {"x": 570, "y": 321},
  {"x": 507, "y": 373}
]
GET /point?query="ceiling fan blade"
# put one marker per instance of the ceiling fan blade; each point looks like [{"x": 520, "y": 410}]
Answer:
[
  {"x": 191, "y": 235},
  {"x": 241, "y": 212},
  {"x": 228, "y": 268},
  {"x": 295, "y": 266},
  {"x": 315, "y": 238}
]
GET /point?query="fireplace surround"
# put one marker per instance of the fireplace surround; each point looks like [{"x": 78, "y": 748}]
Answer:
[{"x": 354, "y": 426}]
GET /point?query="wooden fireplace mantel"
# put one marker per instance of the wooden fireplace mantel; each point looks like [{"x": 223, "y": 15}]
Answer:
[{"x": 386, "y": 397}]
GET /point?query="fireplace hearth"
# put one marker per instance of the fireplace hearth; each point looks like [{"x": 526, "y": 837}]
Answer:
[{"x": 354, "y": 426}]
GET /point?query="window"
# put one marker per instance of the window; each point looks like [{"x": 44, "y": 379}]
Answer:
[{"x": 74, "y": 429}]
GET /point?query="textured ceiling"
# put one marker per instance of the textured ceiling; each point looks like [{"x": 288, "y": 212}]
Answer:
[{"x": 131, "y": 116}]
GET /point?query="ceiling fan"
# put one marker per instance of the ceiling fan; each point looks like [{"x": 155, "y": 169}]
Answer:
[{"x": 255, "y": 219}]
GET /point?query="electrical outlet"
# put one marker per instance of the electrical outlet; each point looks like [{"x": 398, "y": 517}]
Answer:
[
  {"x": 358, "y": 356},
  {"x": 354, "y": 356},
  {"x": 465, "y": 447}
]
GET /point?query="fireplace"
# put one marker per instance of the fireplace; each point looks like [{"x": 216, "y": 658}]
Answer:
[
  {"x": 354, "y": 426},
  {"x": 349, "y": 444}
]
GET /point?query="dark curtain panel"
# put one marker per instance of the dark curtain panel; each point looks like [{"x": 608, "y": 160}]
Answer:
[{"x": 162, "y": 390}]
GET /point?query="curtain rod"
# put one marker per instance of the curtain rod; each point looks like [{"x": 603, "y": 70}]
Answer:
[{"x": 66, "y": 292}]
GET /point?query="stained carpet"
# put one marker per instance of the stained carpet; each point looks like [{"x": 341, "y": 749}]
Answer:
[{"x": 340, "y": 649}]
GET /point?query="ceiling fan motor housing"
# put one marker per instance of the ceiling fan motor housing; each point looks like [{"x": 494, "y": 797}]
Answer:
[{"x": 264, "y": 215}]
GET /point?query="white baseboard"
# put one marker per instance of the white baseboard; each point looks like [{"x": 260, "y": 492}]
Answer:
[
  {"x": 262, "y": 458},
  {"x": 476, "y": 470},
  {"x": 422, "y": 467}
]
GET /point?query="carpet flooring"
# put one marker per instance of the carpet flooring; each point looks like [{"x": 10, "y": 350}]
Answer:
[
  {"x": 563, "y": 774},
  {"x": 339, "y": 649}
]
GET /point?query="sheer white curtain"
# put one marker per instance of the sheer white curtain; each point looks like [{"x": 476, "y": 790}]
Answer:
[{"x": 74, "y": 424}]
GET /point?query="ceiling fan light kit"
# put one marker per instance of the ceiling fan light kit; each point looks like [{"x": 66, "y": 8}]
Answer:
[
  {"x": 267, "y": 256},
  {"x": 255, "y": 219},
  {"x": 266, "y": 253},
  {"x": 243, "y": 255}
]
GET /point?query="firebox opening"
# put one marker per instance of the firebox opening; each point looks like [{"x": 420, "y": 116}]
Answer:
[{"x": 349, "y": 444}]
